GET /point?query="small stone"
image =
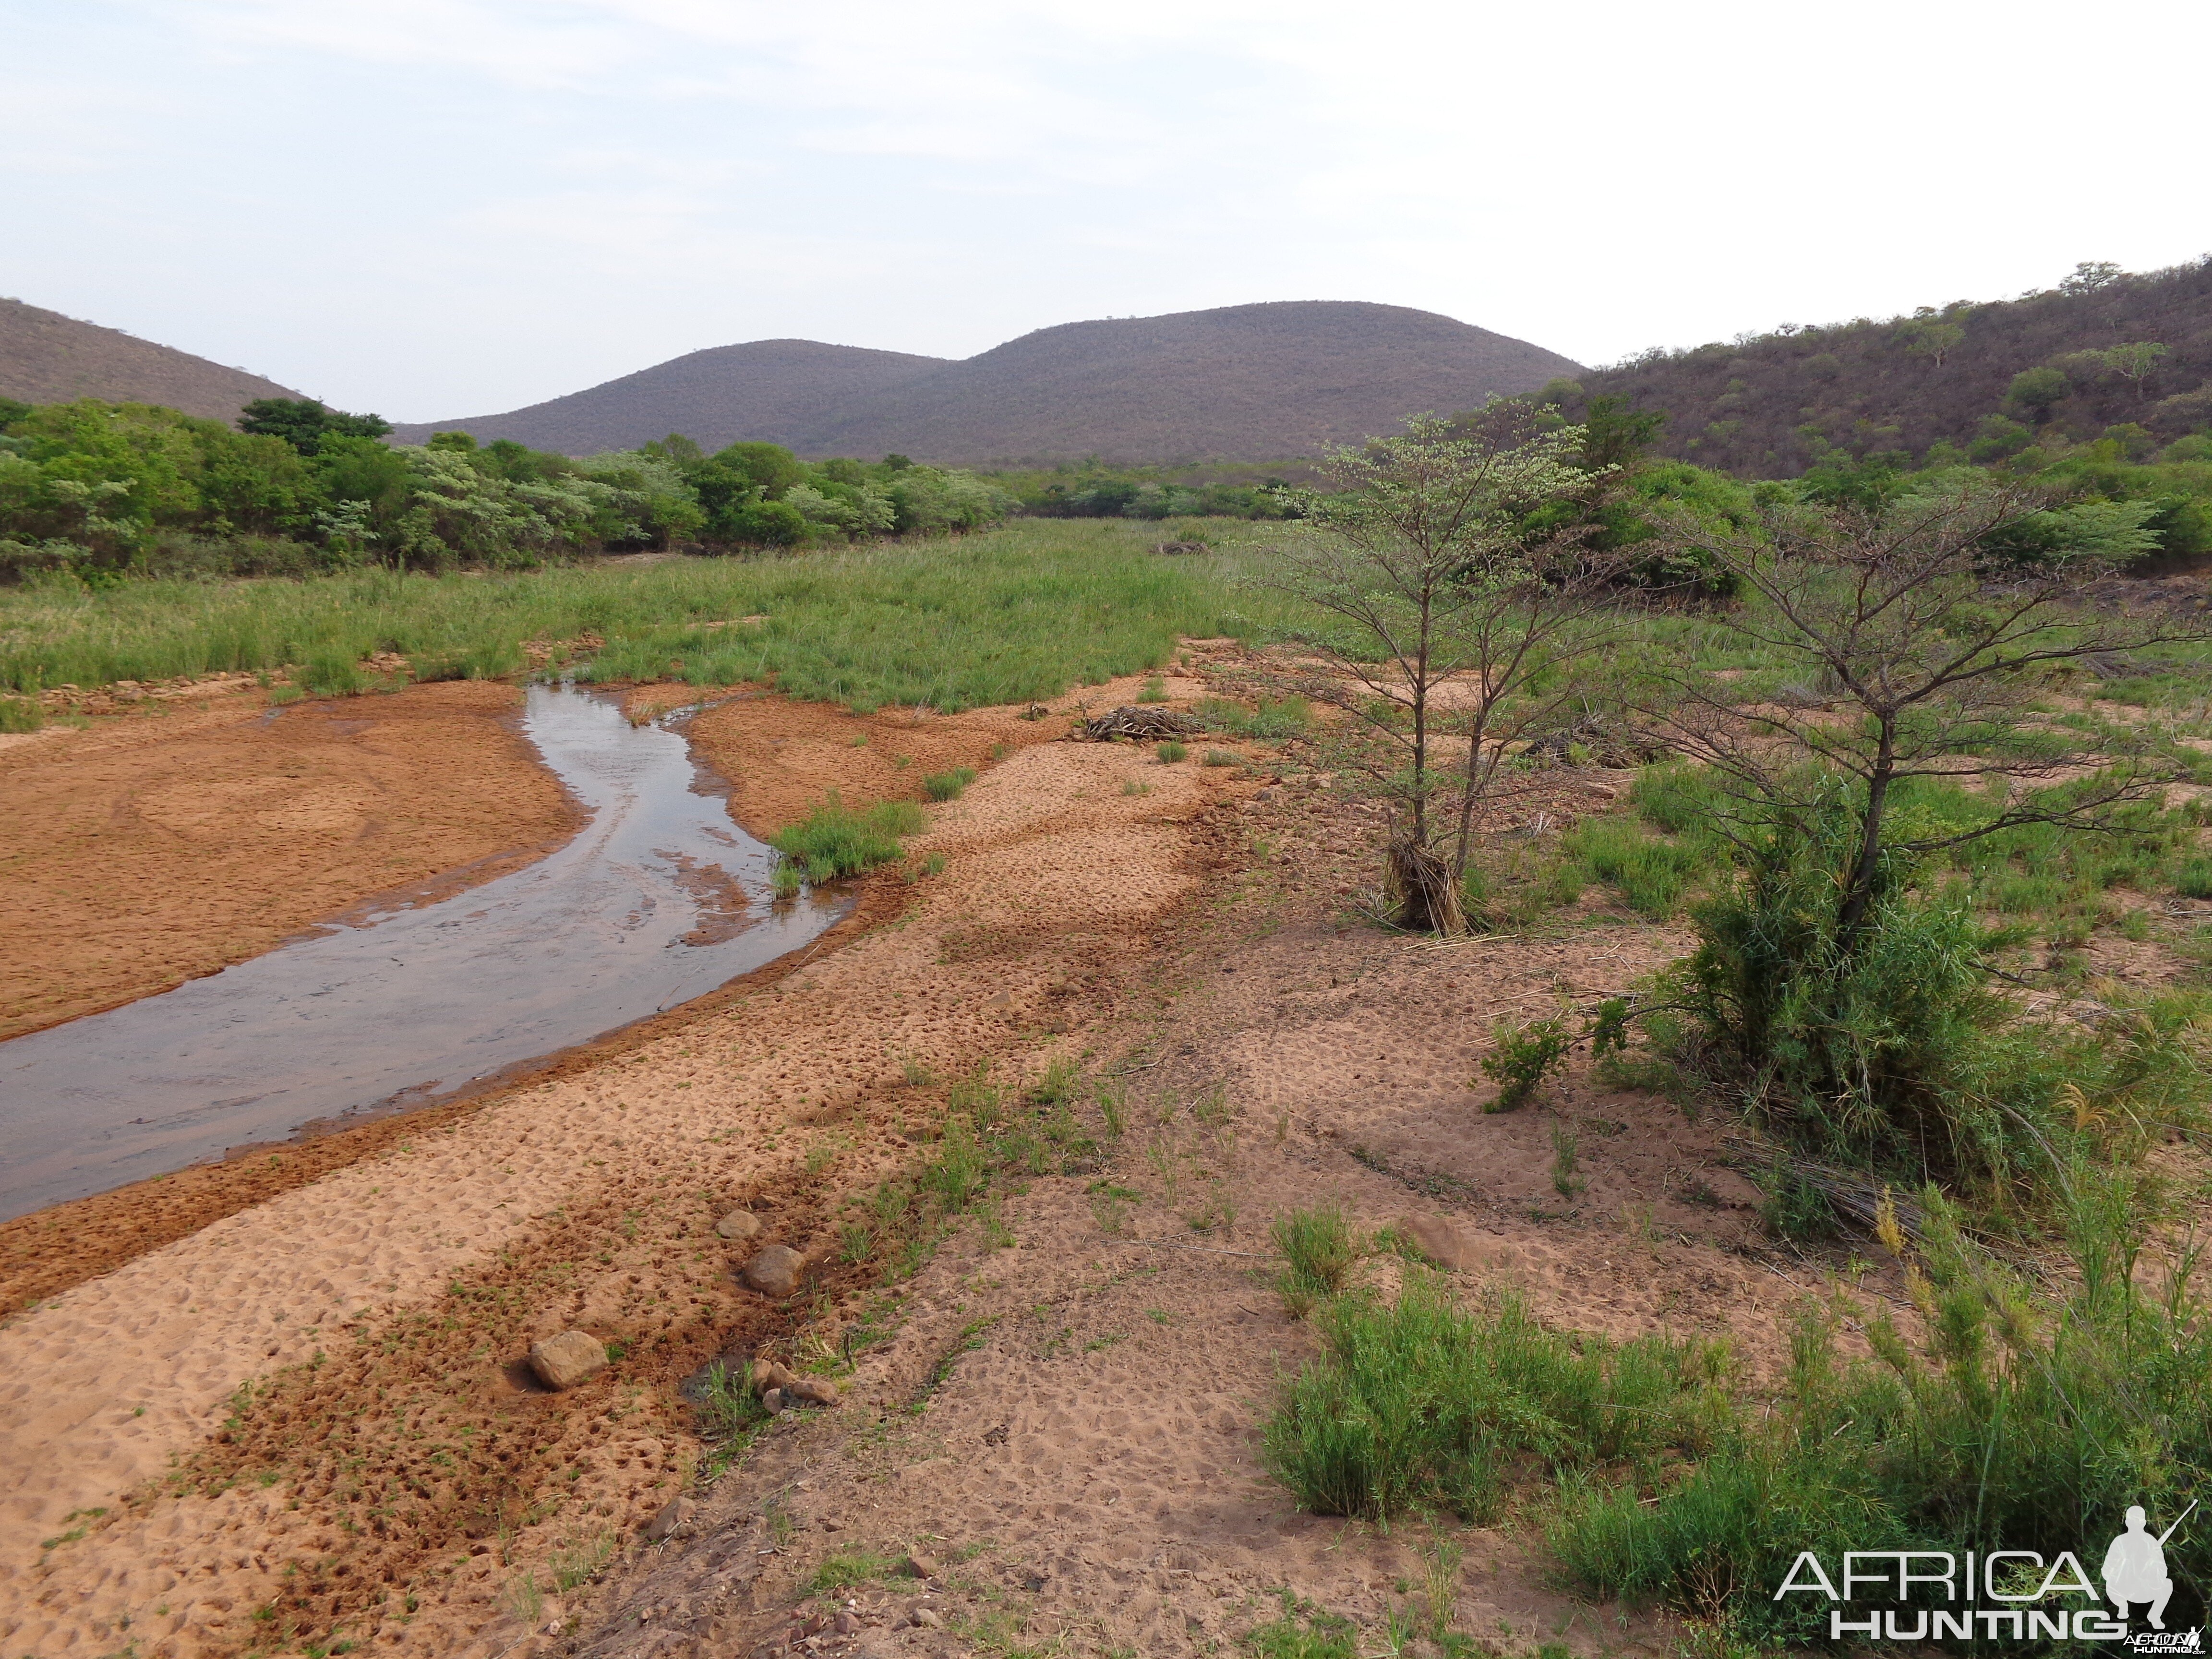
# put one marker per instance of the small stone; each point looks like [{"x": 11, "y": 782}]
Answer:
[
  {"x": 775, "y": 1401},
  {"x": 918, "y": 1565},
  {"x": 766, "y": 1375},
  {"x": 927, "y": 1619},
  {"x": 814, "y": 1390},
  {"x": 775, "y": 1270},
  {"x": 673, "y": 1514},
  {"x": 844, "y": 1624},
  {"x": 563, "y": 1361},
  {"x": 739, "y": 1224}
]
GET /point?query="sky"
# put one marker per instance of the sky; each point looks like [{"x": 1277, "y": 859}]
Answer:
[{"x": 442, "y": 207}]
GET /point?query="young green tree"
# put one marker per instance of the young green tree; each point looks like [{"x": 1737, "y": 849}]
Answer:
[
  {"x": 1455, "y": 620},
  {"x": 2134, "y": 360},
  {"x": 1898, "y": 710},
  {"x": 1915, "y": 651}
]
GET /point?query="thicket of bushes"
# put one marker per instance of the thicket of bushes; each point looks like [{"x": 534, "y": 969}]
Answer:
[{"x": 102, "y": 489}]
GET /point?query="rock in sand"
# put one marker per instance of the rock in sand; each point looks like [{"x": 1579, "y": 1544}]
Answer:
[
  {"x": 738, "y": 1225},
  {"x": 563, "y": 1361},
  {"x": 775, "y": 1270},
  {"x": 673, "y": 1514}
]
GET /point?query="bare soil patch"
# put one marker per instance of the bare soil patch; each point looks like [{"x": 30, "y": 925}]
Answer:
[{"x": 384, "y": 1472}]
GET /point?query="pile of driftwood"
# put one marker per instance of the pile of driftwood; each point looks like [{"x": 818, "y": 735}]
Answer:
[
  {"x": 1140, "y": 724},
  {"x": 1596, "y": 742}
]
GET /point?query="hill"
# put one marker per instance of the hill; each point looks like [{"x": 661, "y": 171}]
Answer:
[
  {"x": 771, "y": 391},
  {"x": 1244, "y": 381},
  {"x": 48, "y": 358},
  {"x": 1981, "y": 377}
]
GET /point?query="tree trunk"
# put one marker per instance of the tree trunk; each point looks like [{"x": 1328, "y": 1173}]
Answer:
[
  {"x": 1428, "y": 897},
  {"x": 1866, "y": 865}
]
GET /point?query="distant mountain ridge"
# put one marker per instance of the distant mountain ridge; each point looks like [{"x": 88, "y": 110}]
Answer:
[
  {"x": 1279, "y": 380},
  {"x": 761, "y": 390},
  {"x": 48, "y": 358}
]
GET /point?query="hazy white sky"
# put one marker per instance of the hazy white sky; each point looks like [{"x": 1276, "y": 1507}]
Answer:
[{"x": 434, "y": 208}]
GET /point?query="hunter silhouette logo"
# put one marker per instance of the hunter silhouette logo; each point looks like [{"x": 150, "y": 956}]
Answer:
[{"x": 2134, "y": 1567}]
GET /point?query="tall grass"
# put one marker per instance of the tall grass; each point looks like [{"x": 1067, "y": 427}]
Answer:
[
  {"x": 2008, "y": 1424},
  {"x": 1418, "y": 1404},
  {"x": 1006, "y": 615},
  {"x": 1319, "y": 1252}
]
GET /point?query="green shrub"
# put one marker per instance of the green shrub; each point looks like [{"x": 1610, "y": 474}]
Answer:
[
  {"x": 1524, "y": 1057},
  {"x": 836, "y": 840},
  {"x": 948, "y": 785},
  {"x": 787, "y": 878},
  {"x": 1223, "y": 757},
  {"x": 1169, "y": 753},
  {"x": 1417, "y": 1405},
  {"x": 1156, "y": 689},
  {"x": 1888, "y": 1047},
  {"x": 2195, "y": 880},
  {"x": 21, "y": 714},
  {"x": 1318, "y": 1251},
  {"x": 2007, "y": 1426}
]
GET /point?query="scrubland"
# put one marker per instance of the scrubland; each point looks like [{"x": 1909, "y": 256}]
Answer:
[{"x": 1202, "y": 1262}]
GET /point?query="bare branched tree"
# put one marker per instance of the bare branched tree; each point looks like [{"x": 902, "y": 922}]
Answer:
[
  {"x": 1917, "y": 655},
  {"x": 1456, "y": 621}
]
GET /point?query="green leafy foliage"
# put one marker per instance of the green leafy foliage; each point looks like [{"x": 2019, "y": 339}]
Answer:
[
  {"x": 1524, "y": 1055},
  {"x": 101, "y": 481}
]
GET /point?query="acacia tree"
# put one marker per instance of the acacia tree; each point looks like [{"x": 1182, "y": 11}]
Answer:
[
  {"x": 1453, "y": 621},
  {"x": 1913, "y": 654},
  {"x": 1898, "y": 644}
]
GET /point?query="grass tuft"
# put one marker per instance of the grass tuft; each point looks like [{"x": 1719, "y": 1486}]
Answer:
[
  {"x": 835, "y": 840},
  {"x": 1318, "y": 1253}
]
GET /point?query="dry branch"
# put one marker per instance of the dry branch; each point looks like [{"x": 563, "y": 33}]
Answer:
[{"x": 1141, "y": 725}]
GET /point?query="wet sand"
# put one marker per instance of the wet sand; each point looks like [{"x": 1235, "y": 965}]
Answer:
[{"x": 154, "y": 848}]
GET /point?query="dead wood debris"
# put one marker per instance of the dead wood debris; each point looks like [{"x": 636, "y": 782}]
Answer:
[{"x": 1141, "y": 725}]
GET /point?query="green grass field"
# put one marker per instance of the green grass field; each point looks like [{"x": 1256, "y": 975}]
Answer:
[{"x": 1004, "y": 616}]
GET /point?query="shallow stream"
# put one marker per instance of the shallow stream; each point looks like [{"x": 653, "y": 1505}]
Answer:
[{"x": 659, "y": 898}]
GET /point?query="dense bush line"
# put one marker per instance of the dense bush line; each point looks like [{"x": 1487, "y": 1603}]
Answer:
[{"x": 103, "y": 490}]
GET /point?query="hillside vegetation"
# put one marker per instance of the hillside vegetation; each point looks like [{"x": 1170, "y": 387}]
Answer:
[
  {"x": 767, "y": 391},
  {"x": 48, "y": 358},
  {"x": 2103, "y": 353},
  {"x": 1240, "y": 382}
]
